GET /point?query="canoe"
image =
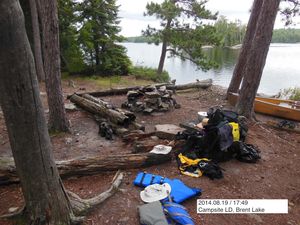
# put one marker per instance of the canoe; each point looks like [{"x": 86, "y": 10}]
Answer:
[{"x": 272, "y": 106}]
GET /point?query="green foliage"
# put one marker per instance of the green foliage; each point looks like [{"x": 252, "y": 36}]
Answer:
[
  {"x": 286, "y": 36},
  {"x": 291, "y": 93},
  {"x": 71, "y": 55},
  {"x": 88, "y": 36},
  {"x": 230, "y": 33},
  {"x": 98, "y": 35},
  {"x": 182, "y": 29},
  {"x": 147, "y": 73},
  {"x": 113, "y": 61}
]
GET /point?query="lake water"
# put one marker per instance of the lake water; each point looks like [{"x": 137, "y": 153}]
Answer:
[{"x": 282, "y": 69}]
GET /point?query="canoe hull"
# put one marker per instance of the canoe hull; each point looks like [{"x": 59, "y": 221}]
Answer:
[{"x": 270, "y": 106}]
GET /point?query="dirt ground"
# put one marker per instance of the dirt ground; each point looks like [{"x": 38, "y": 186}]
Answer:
[{"x": 275, "y": 176}]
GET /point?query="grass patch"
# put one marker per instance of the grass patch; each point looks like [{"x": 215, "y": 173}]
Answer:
[
  {"x": 290, "y": 93},
  {"x": 106, "y": 82},
  {"x": 147, "y": 73},
  {"x": 139, "y": 76}
]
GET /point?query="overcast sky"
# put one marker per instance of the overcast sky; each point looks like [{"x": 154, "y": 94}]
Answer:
[{"x": 133, "y": 21}]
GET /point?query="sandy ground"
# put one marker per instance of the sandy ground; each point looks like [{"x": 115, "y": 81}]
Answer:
[{"x": 275, "y": 176}]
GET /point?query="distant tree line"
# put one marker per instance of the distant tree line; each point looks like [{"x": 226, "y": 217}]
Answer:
[
  {"x": 138, "y": 39},
  {"x": 232, "y": 33},
  {"x": 286, "y": 36}
]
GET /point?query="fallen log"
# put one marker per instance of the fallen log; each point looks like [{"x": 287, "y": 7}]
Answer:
[
  {"x": 89, "y": 166},
  {"x": 199, "y": 84},
  {"x": 134, "y": 136},
  {"x": 103, "y": 103},
  {"x": 122, "y": 91},
  {"x": 109, "y": 92},
  {"x": 92, "y": 107}
]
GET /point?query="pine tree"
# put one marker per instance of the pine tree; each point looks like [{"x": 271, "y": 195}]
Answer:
[
  {"x": 99, "y": 34},
  {"x": 183, "y": 32},
  {"x": 71, "y": 55}
]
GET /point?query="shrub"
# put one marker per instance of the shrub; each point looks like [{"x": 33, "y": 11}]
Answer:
[
  {"x": 147, "y": 73},
  {"x": 114, "y": 61},
  {"x": 290, "y": 93}
]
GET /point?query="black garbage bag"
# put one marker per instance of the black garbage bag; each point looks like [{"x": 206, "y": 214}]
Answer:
[{"x": 247, "y": 153}]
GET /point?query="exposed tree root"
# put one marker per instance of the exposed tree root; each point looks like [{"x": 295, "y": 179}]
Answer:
[{"x": 80, "y": 207}]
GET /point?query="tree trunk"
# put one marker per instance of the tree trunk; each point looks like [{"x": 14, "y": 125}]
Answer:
[
  {"x": 25, "y": 5},
  {"x": 37, "y": 42},
  {"x": 162, "y": 58},
  {"x": 50, "y": 38},
  {"x": 239, "y": 68},
  {"x": 92, "y": 165},
  {"x": 97, "y": 53},
  {"x": 163, "y": 50},
  {"x": 256, "y": 58},
  {"x": 45, "y": 198}
]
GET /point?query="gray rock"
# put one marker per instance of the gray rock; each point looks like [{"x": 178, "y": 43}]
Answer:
[
  {"x": 139, "y": 103},
  {"x": 165, "y": 105},
  {"x": 162, "y": 88},
  {"x": 152, "y": 94},
  {"x": 159, "y": 101},
  {"x": 149, "y": 88},
  {"x": 151, "y": 100},
  {"x": 133, "y": 94},
  {"x": 70, "y": 107},
  {"x": 167, "y": 131},
  {"x": 148, "y": 110},
  {"x": 166, "y": 96}
]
